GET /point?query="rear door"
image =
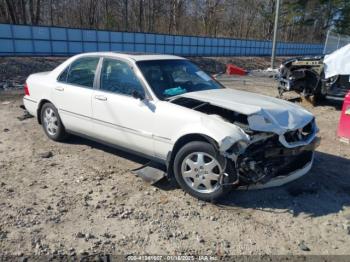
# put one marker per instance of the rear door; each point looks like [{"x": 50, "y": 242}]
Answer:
[
  {"x": 73, "y": 93},
  {"x": 119, "y": 117}
]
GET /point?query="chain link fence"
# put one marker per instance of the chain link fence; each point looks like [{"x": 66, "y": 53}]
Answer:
[{"x": 335, "y": 41}]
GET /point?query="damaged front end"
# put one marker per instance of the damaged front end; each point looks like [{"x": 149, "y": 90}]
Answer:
[
  {"x": 269, "y": 157},
  {"x": 270, "y": 152},
  {"x": 302, "y": 75},
  {"x": 306, "y": 76}
]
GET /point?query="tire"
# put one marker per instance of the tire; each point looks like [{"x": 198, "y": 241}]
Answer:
[
  {"x": 318, "y": 98},
  {"x": 315, "y": 99},
  {"x": 194, "y": 166},
  {"x": 52, "y": 123}
]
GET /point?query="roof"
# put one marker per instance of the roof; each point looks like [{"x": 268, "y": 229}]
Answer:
[
  {"x": 136, "y": 56},
  {"x": 127, "y": 56}
]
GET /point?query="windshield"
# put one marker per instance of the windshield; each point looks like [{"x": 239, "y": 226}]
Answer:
[{"x": 169, "y": 78}]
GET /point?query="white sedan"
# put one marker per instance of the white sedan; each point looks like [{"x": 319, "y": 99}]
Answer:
[{"x": 210, "y": 138}]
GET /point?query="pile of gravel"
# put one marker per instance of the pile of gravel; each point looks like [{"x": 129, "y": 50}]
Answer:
[{"x": 15, "y": 70}]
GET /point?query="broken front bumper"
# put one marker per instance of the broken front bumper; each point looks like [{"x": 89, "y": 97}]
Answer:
[{"x": 282, "y": 179}]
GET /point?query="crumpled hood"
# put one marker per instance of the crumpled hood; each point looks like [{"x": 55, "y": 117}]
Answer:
[{"x": 264, "y": 113}]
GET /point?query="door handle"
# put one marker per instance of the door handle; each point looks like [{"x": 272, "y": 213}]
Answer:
[
  {"x": 102, "y": 98},
  {"x": 59, "y": 88}
]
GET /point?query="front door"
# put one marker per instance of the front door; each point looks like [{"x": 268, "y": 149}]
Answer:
[{"x": 119, "y": 117}]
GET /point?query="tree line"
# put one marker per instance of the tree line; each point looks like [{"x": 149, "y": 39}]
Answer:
[{"x": 300, "y": 20}]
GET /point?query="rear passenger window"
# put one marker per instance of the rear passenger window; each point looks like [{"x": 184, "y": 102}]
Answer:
[{"x": 82, "y": 72}]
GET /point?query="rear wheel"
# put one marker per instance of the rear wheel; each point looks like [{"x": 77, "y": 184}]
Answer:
[
  {"x": 51, "y": 123},
  {"x": 198, "y": 169}
]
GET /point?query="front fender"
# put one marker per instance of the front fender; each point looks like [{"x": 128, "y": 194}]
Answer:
[{"x": 217, "y": 129}]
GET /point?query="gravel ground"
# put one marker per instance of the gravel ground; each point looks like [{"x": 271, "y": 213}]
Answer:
[{"x": 80, "y": 197}]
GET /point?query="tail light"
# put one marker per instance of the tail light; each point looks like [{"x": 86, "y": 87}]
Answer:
[{"x": 26, "y": 89}]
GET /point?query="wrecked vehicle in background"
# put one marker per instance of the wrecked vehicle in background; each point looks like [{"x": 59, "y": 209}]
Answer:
[
  {"x": 210, "y": 138},
  {"x": 317, "y": 77}
]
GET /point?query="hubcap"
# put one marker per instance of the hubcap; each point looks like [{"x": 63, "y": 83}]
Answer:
[
  {"x": 50, "y": 121},
  {"x": 201, "y": 172}
]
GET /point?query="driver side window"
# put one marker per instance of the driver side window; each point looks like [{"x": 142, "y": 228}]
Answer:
[{"x": 118, "y": 77}]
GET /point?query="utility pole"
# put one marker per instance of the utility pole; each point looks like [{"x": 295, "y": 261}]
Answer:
[{"x": 275, "y": 35}]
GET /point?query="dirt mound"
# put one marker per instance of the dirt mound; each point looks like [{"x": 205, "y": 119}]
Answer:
[
  {"x": 215, "y": 65},
  {"x": 15, "y": 70}
]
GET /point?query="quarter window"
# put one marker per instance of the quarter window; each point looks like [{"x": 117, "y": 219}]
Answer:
[
  {"x": 81, "y": 72},
  {"x": 63, "y": 75},
  {"x": 118, "y": 77}
]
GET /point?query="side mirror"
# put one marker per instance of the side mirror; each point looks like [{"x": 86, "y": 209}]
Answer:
[{"x": 138, "y": 95}]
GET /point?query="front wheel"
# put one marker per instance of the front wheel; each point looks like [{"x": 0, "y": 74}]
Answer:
[{"x": 198, "y": 168}]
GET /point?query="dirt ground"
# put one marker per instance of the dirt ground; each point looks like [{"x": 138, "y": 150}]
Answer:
[{"x": 80, "y": 197}]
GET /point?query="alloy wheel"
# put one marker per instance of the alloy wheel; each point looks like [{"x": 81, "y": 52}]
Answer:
[
  {"x": 201, "y": 172},
  {"x": 50, "y": 121}
]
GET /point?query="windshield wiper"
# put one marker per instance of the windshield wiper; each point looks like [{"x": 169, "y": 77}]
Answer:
[
  {"x": 169, "y": 99},
  {"x": 200, "y": 105}
]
